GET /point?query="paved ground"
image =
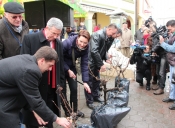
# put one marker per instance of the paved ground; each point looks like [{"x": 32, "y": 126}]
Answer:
[{"x": 147, "y": 109}]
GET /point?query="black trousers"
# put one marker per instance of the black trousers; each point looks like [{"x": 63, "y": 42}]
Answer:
[
  {"x": 73, "y": 94},
  {"x": 141, "y": 75},
  {"x": 94, "y": 85},
  {"x": 51, "y": 96}
]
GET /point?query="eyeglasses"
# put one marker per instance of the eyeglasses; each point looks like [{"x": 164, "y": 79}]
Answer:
[
  {"x": 55, "y": 34},
  {"x": 15, "y": 17}
]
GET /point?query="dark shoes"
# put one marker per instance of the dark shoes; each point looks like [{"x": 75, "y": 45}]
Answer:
[
  {"x": 168, "y": 100},
  {"x": 77, "y": 114},
  {"x": 100, "y": 89},
  {"x": 159, "y": 91},
  {"x": 154, "y": 82},
  {"x": 80, "y": 114},
  {"x": 155, "y": 87},
  {"x": 98, "y": 99},
  {"x": 147, "y": 88},
  {"x": 141, "y": 84},
  {"x": 172, "y": 107},
  {"x": 91, "y": 106}
]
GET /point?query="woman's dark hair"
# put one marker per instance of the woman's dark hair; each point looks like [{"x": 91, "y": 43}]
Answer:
[
  {"x": 84, "y": 33},
  {"x": 47, "y": 53}
]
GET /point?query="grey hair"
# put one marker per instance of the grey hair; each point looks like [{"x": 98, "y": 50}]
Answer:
[{"x": 55, "y": 22}]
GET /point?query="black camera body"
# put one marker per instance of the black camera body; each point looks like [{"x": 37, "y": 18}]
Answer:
[
  {"x": 155, "y": 39},
  {"x": 148, "y": 21},
  {"x": 160, "y": 31},
  {"x": 138, "y": 50},
  {"x": 155, "y": 59}
]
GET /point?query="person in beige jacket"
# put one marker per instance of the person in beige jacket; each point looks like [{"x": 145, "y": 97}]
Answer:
[{"x": 126, "y": 40}]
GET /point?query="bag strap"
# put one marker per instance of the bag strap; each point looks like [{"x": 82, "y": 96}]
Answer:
[
  {"x": 8, "y": 27},
  {"x": 73, "y": 56}
]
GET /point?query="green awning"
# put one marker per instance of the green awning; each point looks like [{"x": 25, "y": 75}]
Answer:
[{"x": 78, "y": 11}]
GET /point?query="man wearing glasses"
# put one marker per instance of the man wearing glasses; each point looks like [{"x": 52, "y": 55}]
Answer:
[
  {"x": 13, "y": 28},
  {"x": 50, "y": 80}
]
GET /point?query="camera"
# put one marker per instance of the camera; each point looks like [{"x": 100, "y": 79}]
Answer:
[
  {"x": 138, "y": 50},
  {"x": 147, "y": 22},
  {"x": 155, "y": 59},
  {"x": 160, "y": 31}
]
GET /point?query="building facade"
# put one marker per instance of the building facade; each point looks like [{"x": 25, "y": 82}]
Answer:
[{"x": 97, "y": 10}]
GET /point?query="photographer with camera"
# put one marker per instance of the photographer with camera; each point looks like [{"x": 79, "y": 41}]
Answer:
[
  {"x": 170, "y": 48},
  {"x": 161, "y": 63},
  {"x": 141, "y": 56}
]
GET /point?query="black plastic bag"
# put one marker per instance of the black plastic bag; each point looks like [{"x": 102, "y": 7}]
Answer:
[
  {"x": 119, "y": 99},
  {"x": 108, "y": 116},
  {"x": 123, "y": 83}
]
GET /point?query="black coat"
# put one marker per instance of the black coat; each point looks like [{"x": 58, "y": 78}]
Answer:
[
  {"x": 68, "y": 45},
  {"x": 19, "y": 80},
  {"x": 9, "y": 46},
  {"x": 142, "y": 62},
  {"x": 31, "y": 43},
  {"x": 99, "y": 44}
]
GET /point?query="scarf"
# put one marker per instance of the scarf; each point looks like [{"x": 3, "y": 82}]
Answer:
[
  {"x": 52, "y": 74},
  {"x": 145, "y": 37}
]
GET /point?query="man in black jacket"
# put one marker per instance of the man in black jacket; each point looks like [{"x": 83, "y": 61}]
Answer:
[
  {"x": 50, "y": 80},
  {"x": 142, "y": 59},
  {"x": 19, "y": 80},
  {"x": 99, "y": 44}
]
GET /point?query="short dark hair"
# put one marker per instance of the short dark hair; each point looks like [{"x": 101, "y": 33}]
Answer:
[
  {"x": 47, "y": 53},
  {"x": 113, "y": 25},
  {"x": 119, "y": 31},
  {"x": 85, "y": 34},
  {"x": 125, "y": 23},
  {"x": 170, "y": 23}
]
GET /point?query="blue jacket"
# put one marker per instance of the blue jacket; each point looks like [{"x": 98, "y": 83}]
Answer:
[
  {"x": 170, "y": 48},
  {"x": 68, "y": 45}
]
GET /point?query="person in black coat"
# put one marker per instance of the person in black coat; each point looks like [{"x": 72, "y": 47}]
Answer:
[
  {"x": 142, "y": 58},
  {"x": 50, "y": 80},
  {"x": 99, "y": 44},
  {"x": 19, "y": 80}
]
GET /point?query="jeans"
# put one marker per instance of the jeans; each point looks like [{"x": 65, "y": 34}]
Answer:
[
  {"x": 161, "y": 72},
  {"x": 172, "y": 86}
]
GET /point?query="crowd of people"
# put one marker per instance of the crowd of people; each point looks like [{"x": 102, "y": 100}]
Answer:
[
  {"x": 37, "y": 65},
  {"x": 156, "y": 58}
]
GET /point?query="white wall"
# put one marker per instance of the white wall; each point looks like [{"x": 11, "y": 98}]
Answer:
[{"x": 163, "y": 10}]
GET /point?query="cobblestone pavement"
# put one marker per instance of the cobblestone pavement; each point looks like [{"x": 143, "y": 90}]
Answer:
[{"x": 147, "y": 109}]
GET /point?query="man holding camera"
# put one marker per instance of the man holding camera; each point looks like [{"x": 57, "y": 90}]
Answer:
[
  {"x": 161, "y": 65},
  {"x": 143, "y": 66},
  {"x": 170, "y": 48}
]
